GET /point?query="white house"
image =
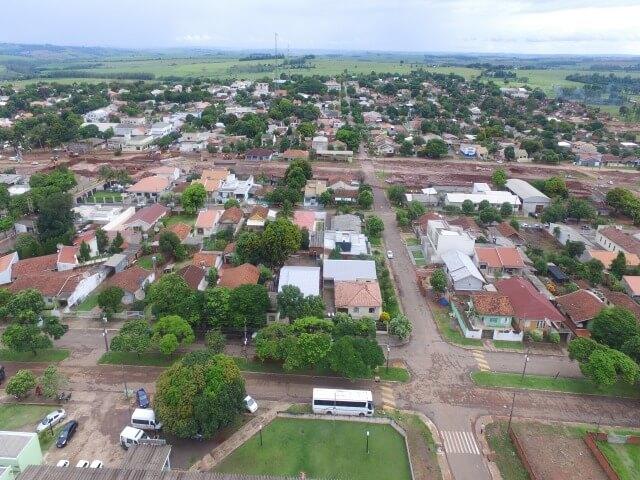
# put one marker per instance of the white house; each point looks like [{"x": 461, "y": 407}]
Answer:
[
  {"x": 232, "y": 187},
  {"x": 533, "y": 201},
  {"x": 348, "y": 270},
  {"x": 481, "y": 192},
  {"x": 307, "y": 279},
  {"x": 320, "y": 143},
  {"x": 6, "y": 262},
  {"x": 463, "y": 274},
  {"x": 349, "y": 243},
  {"x": 160, "y": 129},
  {"x": 442, "y": 237}
]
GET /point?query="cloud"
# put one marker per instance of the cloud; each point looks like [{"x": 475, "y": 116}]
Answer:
[{"x": 194, "y": 38}]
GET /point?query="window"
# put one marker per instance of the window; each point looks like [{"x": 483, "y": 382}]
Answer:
[
  {"x": 323, "y": 403},
  {"x": 541, "y": 323},
  {"x": 351, "y": 404},
  {"x": 372, "y": 310},
  {"x": 356, "y": 309}
]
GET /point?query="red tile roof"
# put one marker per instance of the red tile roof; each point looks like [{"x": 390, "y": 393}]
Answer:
[
  {"x": 620, "y": 299},
  {"x": 622, "y": 239},
  {"x": 149, "y": 214},
  {"x": 193, "y": 275},
  {"x": 527, "y": 302},
  {"x": 154, "y": 184},
  {"x": 259, "y": 213},
  {"x": 205, "y": 259},
  {"x": 35, "y": 265},
  {"x": 207, "y": 218},
  {"x": 357, "y": 294},
  {"x": 580, "y": 306},
  {"x": 67, "y": 254},
  {"x": 245, "y": 274},
  {"x": 182, "y": 230},
  {"x": 508, "y": 231},
  {"x": 466, "y": 223},
  {"x": 232, "y": 215},
  {"x": 50, "y": 283},
  {"x": 500, "y": 257},
  {"x": 304, "y": 219},
  {"x": 130, "y": 280},
  {"x": 492, "y": 303}
]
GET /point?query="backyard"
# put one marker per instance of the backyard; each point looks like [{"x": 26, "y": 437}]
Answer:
[
  {"x": 322, "y": 449},
  {"x": 102, "y": 196}
]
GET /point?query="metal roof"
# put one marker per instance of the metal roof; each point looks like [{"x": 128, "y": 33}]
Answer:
[
  {"x": 307, "y": 279},
  {"x": 525, "y": 190},
  {"x": 344, "y": 270},
  {"x": 12, "y": 443},
  {"x": 147, "y": 457}
]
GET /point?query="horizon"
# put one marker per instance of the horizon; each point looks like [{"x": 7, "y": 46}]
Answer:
[{"x": 437, "y": 27}]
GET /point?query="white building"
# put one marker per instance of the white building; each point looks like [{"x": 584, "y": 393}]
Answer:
[
  {"x": 232, "y": 187},
  {"x": 320, "y": 143},
  {"x": 349, "y": 243},
  {"x": 532, "y": 200},
  {"x": 481, "y": 192},
  {"x": 463, "y": 274},
  {"x": 442, "y": 238},
  {"x": 348, "y": 270},
  {"x": 307, "y": 279},
  {"x": 160, "y": 129}
]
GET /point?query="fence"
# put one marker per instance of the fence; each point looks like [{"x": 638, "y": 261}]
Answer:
[{"x": 590, "y": 439}]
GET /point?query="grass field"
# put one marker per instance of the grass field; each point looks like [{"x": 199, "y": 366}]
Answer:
[
  {"x": 149, "y": 359},
  {"x": 624, "y": 459},
  {"x": 449, "y": 333},
  {"x": 537, "y": 382},
  {"x": 47, "y": 355},
  {"x": 507, "y": 458},
  {"x": 173, "y": 219},
  {"x": 106, "y": 197},
  {"x": 22, "y": 417},
  {"x": 146, "y": 262},
  {"x": 88, "y": 303},
  {"x": 508, "y": 345},
  {"x": 322, "y": 449}
]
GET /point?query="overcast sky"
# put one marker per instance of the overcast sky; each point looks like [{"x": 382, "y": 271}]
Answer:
[{"x": 510, "y": 26}]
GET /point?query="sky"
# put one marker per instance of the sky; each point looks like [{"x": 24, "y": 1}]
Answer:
[{"x": 488, "y": 26}]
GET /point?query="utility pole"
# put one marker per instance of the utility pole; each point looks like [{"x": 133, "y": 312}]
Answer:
[
  {"x": 513, "y": 400},
  {"x": 276, "y": 55}
]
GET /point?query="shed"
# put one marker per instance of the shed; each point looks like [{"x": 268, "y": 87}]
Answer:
[{"x": 533, "y": 200}]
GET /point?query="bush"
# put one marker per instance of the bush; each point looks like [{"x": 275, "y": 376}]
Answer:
[
  {"x": 400, "y": 326},
  {"x": 21, "y": 384},
  {"x": 536, "y": 335},
  {"x": 553, "y": 337},
  {"x": 215, "y": 341}
]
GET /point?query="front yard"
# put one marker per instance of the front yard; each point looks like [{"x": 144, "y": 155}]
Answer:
[{"x": 624, "y": 459}]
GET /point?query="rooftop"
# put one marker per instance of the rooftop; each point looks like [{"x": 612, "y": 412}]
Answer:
[
  {"x": 307, "y": 279},
  {"x": 622, "y": 239},
  {"x": 500, "y": 257},
  {"x": 340, "y": 270},
  {"x": 12, "y": 443},
  {"x": 357, "y": 294},
  {"x": 153, "y": 184},
  {"x": 492, "y": 303},
  {"x": 207, "y": 218},
  {"x": 527, "y": 302},
  {"x": 232, "y": 215},
  {"x": 130, "y": 279},
  {"x": 245, "y": 274},
  {"x": 580, "y": 306}
]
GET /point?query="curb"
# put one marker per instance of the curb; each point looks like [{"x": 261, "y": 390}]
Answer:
[
  {"x": 443, "y": 461},
  {"x": 478, "y": 427}
]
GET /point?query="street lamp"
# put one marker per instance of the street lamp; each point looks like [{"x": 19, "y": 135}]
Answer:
[
  {"x": 388, "y": 355},
  {"x": 104, "y": 333},
  {"x": 367, "y": 441},
  {"x": 513, "y": 400},
  {"x": 260, "y": 430}
]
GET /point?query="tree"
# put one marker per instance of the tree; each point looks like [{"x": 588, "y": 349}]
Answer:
[
  {"x": 510, "y": 153},
  {"x": 116, "y": 243},
  {"x": 306, "y": 129},
  {"x": 215, "y": 341},
  {"x": 25, "y": 338},
  {"x": 365, "y": 199},
  {"x": 52, "y": 381},
  {"x": 592, "y": 270},
  {"x": 468, "y": 207},
  {"x": 581, "y": 348},
  {"x": 177, "y": 327},
  {"x": 199, "y": 398},
  {"x": 435, "y": 148},
  {"x": 606, "y": 366},
  {"x": 27, "y": 246},
  {"x": 167, "y": 344},
  {"x": 307, "y": 351},
  {"x": 249, "y": 248},
  {"x": 110, "y": 299},
  {"x": 326, "y": 198},
  {"x": 280, "y": 239},
  {"x": 102, "y": 240},
  {"x": 170, "y": 245},
  {"x": 619, "y": 265},
  {"x": 193, "y": 198},
  {"x": 406, "y": 148},
  {"x": 84, "y": 254},
  {"x": 354, "y": 357},
  {"x": 438, "y": 281},
  {"x": 574, "y": 249},
  {"x": 578, "y": 208},
  {"x": 134, "y": 336},
  {"x": 374, "y": 226},
  {"x": 396, "y": 194},
  {"x": 613, "y": 326},
  {"x": 555, "y": 187},
  {"x": 290, "y": 300},
  {"x": 55, "y": 221},
  {"x": 499, "y": 178},
  {"x": 249, "y": 304},
  {"x": 506, "y": 210},
  {"x": 400, "y": 326},
  {"x": 172, "y": 296},
  {"x": 555, "y": 212},
  {"x": 21, "y": 384},
  {"x": 350, "y": 136},
  {"x": 230, "y": 203},
  {"x": 632, "y": 348},
  {"x": 216, "y": 308}
]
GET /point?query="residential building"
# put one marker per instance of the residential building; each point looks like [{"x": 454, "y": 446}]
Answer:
[
  {"x": 195, "y": 277},
  {"x": 566, "y": 233},
  {"x": 6, "y": 262},
  {"x": 212, "y": 179},
  {"x": 89, "y": 238},
  {"x": 493, "y": 315},
  {"x": 462, "y": 274},
  {"x": 18, "y": 450},
  {"x": 182, "y": 230},
  {"x": 258, "y": 217},
  {"x": 207, "y": 260},
  {"x": 307, "y": 279},
  {"x": 344, "y": 192},
  {"x": 146, "y": 218},
  {"x": 171, "y": 173},
  {"x": 631, "y": 285},
  {"x": 67, "y": 258},
  {"x": 293, "y": 154},
  {"x": 207, "y": 223},
  {"x": 532, "y": 200},
  {"x": 193, "y": 142},
  {"x": 160, "y": 129},
  {"x": 589, "y": 159},
  {"x": 427, "y": 196},
  {"x": 441, "y": 237},
  {"x": 578, "y": 308},
  {"x": 358, "y": 299},
  {"x": 133, "y": 281},
  {"x": 305, "y": 219},
  {"x": 233, "y": 187},
  {"x": 312, "y": 192},
  {"x": 231, "y": 219},
  {"x": 347, "y": 223},
  {"x": 480, "y": 193},
  {"x": 616, "y": 240},
  {"x": 348, "y": 270},
  {"x": 334, "y": 155},
  {"x": 498, "y": 261},
  {"x": 233, "y": 277},
  {"x": 506, "y": 235},
  {"x": 606, "y": 257},
  {"x": 320, "y": 143},
  {"x": 349, "y": 243},
  {"x": 258, "y": 155},
  {"x": 149, "y": 189}
]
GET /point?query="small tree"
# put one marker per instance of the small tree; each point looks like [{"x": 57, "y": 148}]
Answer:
[
  {"x": 52, "y": 381},
  {"x": 232, "y": 202},
  {"x": 499, "y": 178},
  {"x": 116, "y": 244},
  {"x": 134, "y": 336},
  {"x": 374, "y": 226},
  {"x": 110, "y": 299},
  {"x": 400, "y": 326},
  {"x": 102, "y": 240},
  {"x": 506, "y": 210},
  {"x": 168, "y": 344},
  {"x": 438, "y": 281},
  {"x": 21, "y": 384},
  {"x": 25, "y": 338},
  {"x": 84, "y": 254},
  {"x": 215, "y": 341},
  {"x": 365, "y": 199},
  {"x": 176, "y": 326},
  {"x": 619, "y": 265},
  {"x": 468, "y": 207},
  {"x": 193, "y": 198}
]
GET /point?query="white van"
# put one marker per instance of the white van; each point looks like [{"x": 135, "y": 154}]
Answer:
[
  {"x": 131, "y": 436},
  {"x": 145, "y": 418}
]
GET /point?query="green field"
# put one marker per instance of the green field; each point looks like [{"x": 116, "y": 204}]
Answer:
[
  {"x": 46, "y": 355},
  {"x": 449, "y": 333},
  {"x": 22, "y": 417},
  {"x": 88, "y": 303},
  {"x": 538, "y": 382},
  {"x": 624, "y": 459},
  {"x": 105, "y": 197},
  {"x": 173, "y": 219},
  {"x": 507, "y": 458},
  {"x": 322, "y": 449}
]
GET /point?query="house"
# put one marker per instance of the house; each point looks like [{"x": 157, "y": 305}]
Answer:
[
  {"x": 150, "y": 188},
  {"x": 532, "y": 200},
  {"x": 578, "y": 308},
  {"x": 67, "y": 258},
  {"x": 312, "y": 192},
  {"x": 212, "y": 179},
  {"x": 18, "y": 450},
  {"x": 233, "y": 187},
  {"x": 305, "y": 219},
  {"x": 358, "y": 298},
  {"x": 348, "y": 270},
  {"x": 347, "y": 223},
  {"x": 332, "y": 86},
  {"x": 495, "y": 261},
  {"x": 334, "y": 155},
  {"x": 193, "y": 142},
  {"x": 182, "y": 230},
  {"x": 258, "y": 155},
  {"x": 589, "y": 159},
  {"x": 258, "y": 217},
  {"x": 344, "y": 192},
  {"x": 468, "y": 225},
  {"x": 507, "y": 231},
  {"x": 146, "y": 218},
  {"x": 171, "y": 173},
  {"x": 442, "y": 237},
  {"x": 532, "y": 310},
  {"x": 195, "y": 277},
  {"x": 206, "y": 223},
  {"x": 293, "y": 154},
  {"x": 6, "y": 262},
  {"x": 231, "y": 218},
  {"x": 462, "y": 273},
  {"x": 421, "y": 224},
  {"x": 207, "y": 260},
  {"x": 493, "y": 314},
  {"x": 160, "y": 129},
  {"x": 307, "y": 279},
  {"x": 468, "y": 151},
  {"x": 606, "y": 257},
  {"x": 245, "y": 274},
  {"x": 566, "y": 233},
  {"x": 480, "y": 193},
  {"x": 348, "y": 243},
  {"x": 320, "y": 143},
  {"x": 372, "y": 117},
  {"x": 89, "y": 238},
  {"x": 133, "y": 281},
  {"x": 631, "y": 285},
  {"x": 616, "y": 240}
]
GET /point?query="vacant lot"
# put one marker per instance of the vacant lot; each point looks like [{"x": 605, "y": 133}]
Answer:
[
  {"x": 322, "y": 449},
  {"x": 625, "y": 459}
]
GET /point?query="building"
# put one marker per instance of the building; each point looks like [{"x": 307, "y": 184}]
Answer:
[
  {"x": 312, "y": 192},
  {"x": 307, "y": 279},
  {"x": 258, "y": 155},
  {"x": 146, "y": 218},
  {"x": 606, "y": 257},
  {"x": 348, "y": 243},
  {"x": 493, "y": 315},
  {"x": 233, "y": 187},
  {"x": 160, "y": 129},
  {"x": 480, "y": 193},
  {"x": 258, "y": 217},
  {"x": 293, "y": 154},
  {"x": 496, "y": 261},
  {"x": 67, "y": 258},
  {"x": 320, "y": 143},
  {"x": 245, "y": 274},
  {"x": 616, "y": 240},
  {"x": 172, "y": 173},
  {"x": 631, "y": 285},
  {"x": 462, "y": 274},
  {"x": 348, "y": 270},
  {"x": 195, "y": 277},
  {"x": 207, "y": 260},
  {"x": 358, "y": 298},
  {"x": 532, "y": 200},
  {"x": 193, "y": 142},
  {"x": 347, "y": 223},
  {"x": 441, "y": 237},
  {"x": 6, "y": 262},
  {"x": 305, "y": 219},
  {"x": 150, "y": 188},
  {"x": 566, "y": 233},
  {"x": 133, "y": 281},
  {"x": 18, "y": 450},
  {"x": 231, "y": 219},
  {"x": 578, "y": 308},
  {"x": 334, "y": 155},
  {"x": 206, "y": 223},
  {"x": 344, "y": 192},
  {"x": 212, "y": 179}
]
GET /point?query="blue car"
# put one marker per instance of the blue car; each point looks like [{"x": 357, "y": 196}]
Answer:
[{"x": 142, "y": 398}]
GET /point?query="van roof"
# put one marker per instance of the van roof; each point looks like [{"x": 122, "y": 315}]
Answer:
[
  {"x": 144, "y": 414},
  {"x": 131, "y": 432}
]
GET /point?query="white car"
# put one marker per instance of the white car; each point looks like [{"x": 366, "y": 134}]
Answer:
[
  {"x": 62, "y": 463},
  {"x": 250, "y": 404},
  {"x": 389, "y": 254},
  {"x": 82, "y": 464},
  {"x": 51, "y": 419},
  {"x": 96, "y": 464}
]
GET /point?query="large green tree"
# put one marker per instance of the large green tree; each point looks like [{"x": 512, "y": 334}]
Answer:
[
  {"x": 55, "y": 220},
  {"x": 134, "y": 336},
  {"x": 249, "y": 304},
  {"x": 193, "y": 198},
  {"x": 172, "y": 296},
  {"x": 280, "y": 239},
  {"x": 613, "y": 326}
]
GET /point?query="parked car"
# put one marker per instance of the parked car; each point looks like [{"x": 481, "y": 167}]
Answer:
[
  {"x": 51, "y": 419},
  {"x": 96, "y": 464},
  {"x": 62, "y": 463},
  {"x": 82, "y": 464},
  {"x": 250, "y": 404},
  {"x": 389, "y": 254},
  {"x": 67, "y": 432},
  {"x": 142, "y": 398}
]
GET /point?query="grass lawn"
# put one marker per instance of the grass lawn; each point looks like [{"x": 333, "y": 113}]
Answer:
[
  {"x": 18, "y": 416},
  {"x": 538, "y": 382},
  {"x": 106, "y": 197},
  {"x": 47, "y": 355},
  {"x": 507, "y": 458},
  {"x": 448, "y": 332},
  {"x": 88, "y": 303},
  {"x": 411, "y": 241},
  {"x": 508, "y": 345},
  {"x": 184, "y": 218},
  {"x": 625, "y": 459},
  {"x": 322, "y": 449},
  {"x": 146, "y": 359},
  {"x": 145, "y": 262},
  {"x": 375, "y": 241}
]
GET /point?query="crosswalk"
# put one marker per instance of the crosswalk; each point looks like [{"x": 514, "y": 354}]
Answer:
[
  {"x": 460, "y": 442},
  {"x": 388, "y": 399},
  {"x": 481, "y": 360}
]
